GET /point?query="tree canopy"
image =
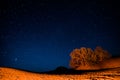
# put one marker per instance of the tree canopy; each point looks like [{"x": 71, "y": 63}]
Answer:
[{"x": 87, "y": 56}]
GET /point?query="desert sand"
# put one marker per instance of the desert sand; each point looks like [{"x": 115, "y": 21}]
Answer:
[{"x": 16, "y": 74}]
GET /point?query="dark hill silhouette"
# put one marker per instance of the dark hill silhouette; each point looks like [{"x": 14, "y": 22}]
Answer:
[{"x": 63, "y": 70}]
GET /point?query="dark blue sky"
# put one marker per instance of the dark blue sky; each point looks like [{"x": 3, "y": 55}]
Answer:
[{"x": 38, "y": 35}]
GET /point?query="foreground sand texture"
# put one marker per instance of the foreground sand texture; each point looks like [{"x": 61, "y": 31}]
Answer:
[{"x": 14, "y": 74}]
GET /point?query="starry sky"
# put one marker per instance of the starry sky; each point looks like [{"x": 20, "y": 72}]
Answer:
[{"x": 38, "y": 35}]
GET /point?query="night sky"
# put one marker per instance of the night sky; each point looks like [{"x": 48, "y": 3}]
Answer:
[{"x": 38, "y": 35}]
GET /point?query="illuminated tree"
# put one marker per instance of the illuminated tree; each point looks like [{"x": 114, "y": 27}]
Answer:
[
  {"x": 101, "y": 54},
  {"x": 87, "y": 57}
]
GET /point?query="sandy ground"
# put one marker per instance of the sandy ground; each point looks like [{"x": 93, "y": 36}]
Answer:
[{"x": 14, "y": 74}]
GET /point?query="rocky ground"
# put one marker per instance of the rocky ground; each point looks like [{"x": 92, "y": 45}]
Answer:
[{"x": 14, "y": 74}]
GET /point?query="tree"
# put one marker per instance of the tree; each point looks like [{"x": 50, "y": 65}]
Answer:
[
  {"x": 87, "y": 57},
  {"x": 101, "y": 54}
]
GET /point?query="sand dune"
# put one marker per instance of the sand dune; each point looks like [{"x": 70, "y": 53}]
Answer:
[{"x": 15, "y": 74}]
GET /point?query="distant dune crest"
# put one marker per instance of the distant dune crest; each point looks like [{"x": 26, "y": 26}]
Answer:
[{"x": 110, "y": 63}]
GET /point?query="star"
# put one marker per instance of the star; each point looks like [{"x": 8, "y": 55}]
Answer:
[{"x": 16, "y": 59}]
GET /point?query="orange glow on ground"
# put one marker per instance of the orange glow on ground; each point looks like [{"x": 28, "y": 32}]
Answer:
[{"x": 14, "y": 74}]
